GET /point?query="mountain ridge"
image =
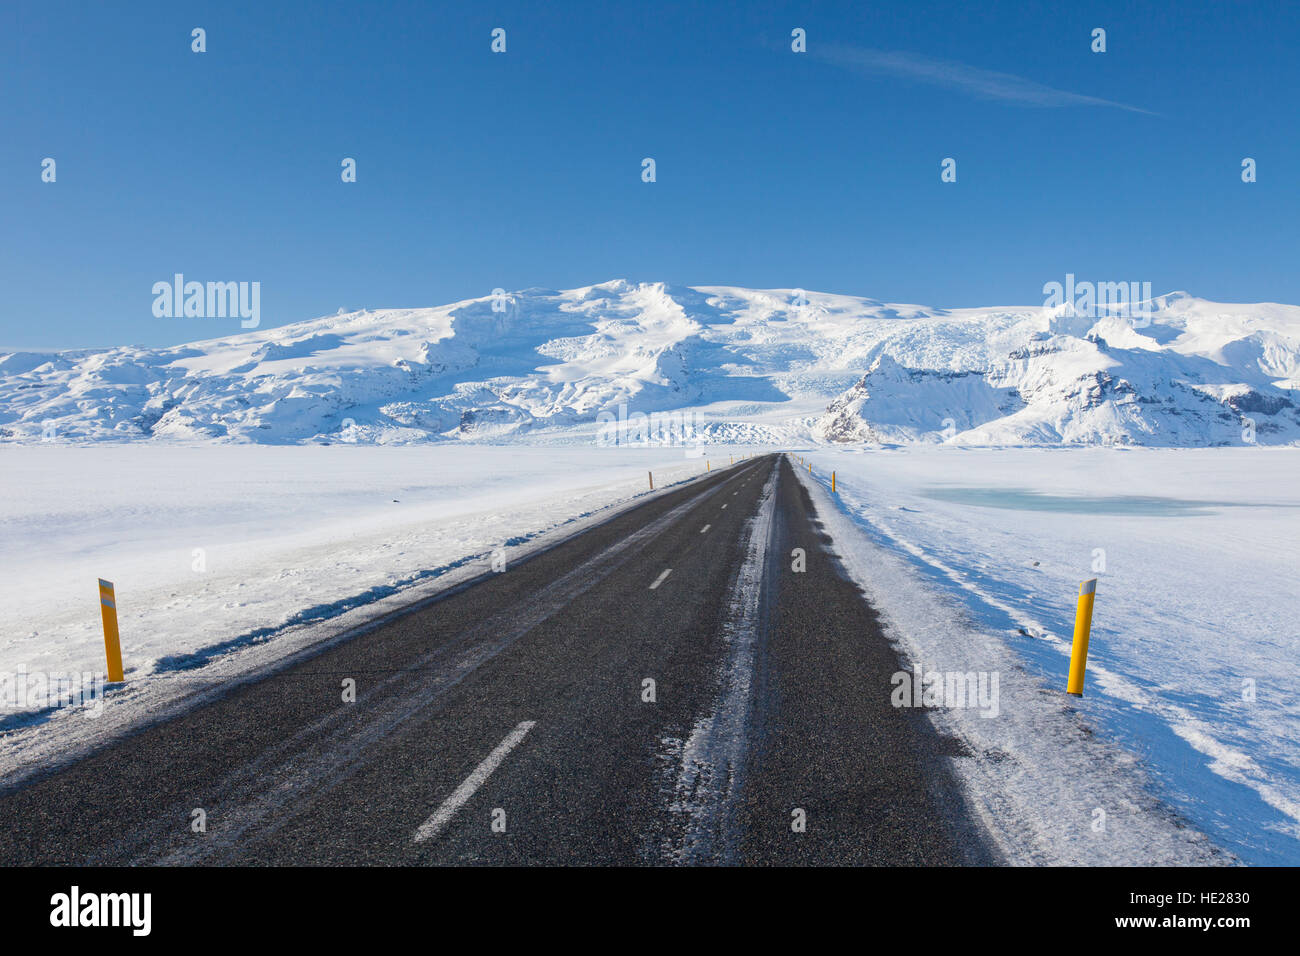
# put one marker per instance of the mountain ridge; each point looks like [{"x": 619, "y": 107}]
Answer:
[{"x": 773, "y": 366}]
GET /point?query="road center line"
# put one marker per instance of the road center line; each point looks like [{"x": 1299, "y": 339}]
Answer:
[
  {"x": 330, "y": 750},
  {"x": 434, "y": 825},
  {"x": 705, "y": 528},
  {"x": 724, "y": 507},
  {"x": 660, "y": 580},
  {"x": 712, "y": 759}
]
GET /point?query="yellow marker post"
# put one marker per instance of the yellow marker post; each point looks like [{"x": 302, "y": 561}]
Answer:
[
  {"x": 832, "y": 482},
  {"x": 1082, "y": 628},
  {"x": 652, "y": 480},
  {"x": 112, "y": 643},
  {"x": 707, "y": 466}
]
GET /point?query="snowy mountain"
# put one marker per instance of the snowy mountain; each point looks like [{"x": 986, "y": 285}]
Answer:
[{"x": 751, "y": 366}]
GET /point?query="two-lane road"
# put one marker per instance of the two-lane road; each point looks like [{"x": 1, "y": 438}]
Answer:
[{"x": 675, "y": 685}]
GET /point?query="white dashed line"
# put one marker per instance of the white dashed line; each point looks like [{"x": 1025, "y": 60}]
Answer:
[
  {"x": 724, "y": 507},
  {"x": 705, "y": 528},
  {"x": 660, "y": 580},
  {"x": 434, "y": 825}
]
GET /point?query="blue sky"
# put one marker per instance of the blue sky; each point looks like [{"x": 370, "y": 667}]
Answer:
[{"x": 775, "y": 169}]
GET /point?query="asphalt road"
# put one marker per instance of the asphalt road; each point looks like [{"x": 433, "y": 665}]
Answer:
[{"x": 585, "y": 706}]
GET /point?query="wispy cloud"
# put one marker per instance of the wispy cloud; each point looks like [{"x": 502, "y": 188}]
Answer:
[{"x": 986, "y": 84}]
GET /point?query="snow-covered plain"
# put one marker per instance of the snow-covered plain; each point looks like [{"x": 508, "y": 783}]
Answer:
[
  {"x": 1193, "y": 667},
  {"x": 214, "y": 548}
]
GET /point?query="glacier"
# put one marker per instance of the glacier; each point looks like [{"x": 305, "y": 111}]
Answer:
[{"x": 765, "y": 367}]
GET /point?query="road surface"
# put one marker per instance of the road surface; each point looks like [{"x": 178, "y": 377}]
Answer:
[{"x": 665, "y": 688}]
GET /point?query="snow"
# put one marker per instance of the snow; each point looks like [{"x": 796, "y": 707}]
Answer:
[
  {"x": 758, "y": 365},
  {"x": 1195, "y": 553}
]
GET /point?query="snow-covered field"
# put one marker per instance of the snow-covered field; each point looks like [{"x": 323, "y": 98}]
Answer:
[
  {"x": 1193, "y": 666},
  {"x": 216, "y": 547}
]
